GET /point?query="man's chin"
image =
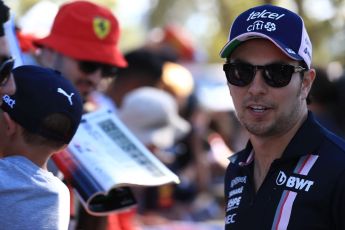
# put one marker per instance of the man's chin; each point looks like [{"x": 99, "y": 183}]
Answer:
[{"x": 258, "y": 129}]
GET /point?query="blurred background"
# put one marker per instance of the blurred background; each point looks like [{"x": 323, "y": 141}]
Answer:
[
  {"x": 207, "y": 22},
  {"x": 196, "y": 30}
]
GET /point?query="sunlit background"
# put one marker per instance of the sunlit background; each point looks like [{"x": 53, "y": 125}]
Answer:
[
  {"x": 205, "y": 25},
  {"x": 206, "y": 22}
]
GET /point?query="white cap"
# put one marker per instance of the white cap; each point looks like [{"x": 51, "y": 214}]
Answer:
[{"x": 152, "y": 115}]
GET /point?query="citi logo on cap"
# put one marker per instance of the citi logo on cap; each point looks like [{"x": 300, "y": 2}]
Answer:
[
  {"x": 261, "y": 25},
  {"x": 9, "y": 101}
]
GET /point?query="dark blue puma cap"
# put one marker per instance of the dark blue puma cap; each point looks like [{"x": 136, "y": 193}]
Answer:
[{"x": 42, "y": 92}]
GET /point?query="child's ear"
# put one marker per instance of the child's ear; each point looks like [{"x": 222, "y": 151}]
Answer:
[{"x": 11, "y": 126}]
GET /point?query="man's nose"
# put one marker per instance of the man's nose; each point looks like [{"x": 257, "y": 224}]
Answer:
[{"x": 258, "y": 85}]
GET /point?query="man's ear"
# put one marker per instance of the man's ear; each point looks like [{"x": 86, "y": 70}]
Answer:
[
  {"x": 47, "y": 57},
  {"x": 307, "y": 82},
  {"x": 11, "y": 126}
]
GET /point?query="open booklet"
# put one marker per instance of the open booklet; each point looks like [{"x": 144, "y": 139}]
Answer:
[{"x": 103, "y": 159}]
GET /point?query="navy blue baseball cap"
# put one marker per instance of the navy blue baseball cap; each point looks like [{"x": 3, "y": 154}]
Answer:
[
  {"x": 281, "y": 26},
  {"x": 42, "y": 92}
]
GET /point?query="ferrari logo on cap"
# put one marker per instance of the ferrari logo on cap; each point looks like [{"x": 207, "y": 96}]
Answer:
[{"x": 101, "y": 27}]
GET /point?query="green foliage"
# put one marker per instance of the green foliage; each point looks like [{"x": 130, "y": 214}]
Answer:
[{"x": 219, "y": 14}]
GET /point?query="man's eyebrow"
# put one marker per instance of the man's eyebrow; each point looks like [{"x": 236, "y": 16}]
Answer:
[
  {"x": 236, "y": 60},
  {"x": 278, "y": 61}
]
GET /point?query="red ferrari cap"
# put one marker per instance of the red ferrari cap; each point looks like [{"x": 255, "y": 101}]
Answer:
[{"x": 85, "y": 31}]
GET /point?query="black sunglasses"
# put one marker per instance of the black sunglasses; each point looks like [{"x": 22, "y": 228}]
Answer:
[
  {"x": 89, "y": 67},
  {"x": 275, "y": 75},
  {"x": 6, "y": 67}
]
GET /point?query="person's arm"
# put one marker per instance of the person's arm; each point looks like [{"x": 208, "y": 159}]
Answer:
[{"x": 4, "y": 16}]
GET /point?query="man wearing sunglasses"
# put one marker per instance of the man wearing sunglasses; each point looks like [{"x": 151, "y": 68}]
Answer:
[
  {"x": 291, "y": 174},
  {"x": 83, "y": 45},
  {"x": 7, "y": 84}
]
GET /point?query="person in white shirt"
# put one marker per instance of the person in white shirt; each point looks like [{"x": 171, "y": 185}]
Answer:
[{"x": 36, "y": 122}]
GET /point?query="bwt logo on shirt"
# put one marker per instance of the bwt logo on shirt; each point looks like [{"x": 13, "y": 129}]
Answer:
[{"x": 293, "y": 182}]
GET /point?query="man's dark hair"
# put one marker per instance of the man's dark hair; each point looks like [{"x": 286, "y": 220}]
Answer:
[
  {"x": 143, "y": 62},
  {"x": 57, "y": 125},
  {"x": 323, "y": 90}
]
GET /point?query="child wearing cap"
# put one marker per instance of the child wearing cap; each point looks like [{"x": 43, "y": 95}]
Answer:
[
  {"x": 83, "y": 46},
  {"x": 37, "y": 121}
]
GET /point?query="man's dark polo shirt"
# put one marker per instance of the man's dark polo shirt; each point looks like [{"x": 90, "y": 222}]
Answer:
[{"x": 304, "y": 189}]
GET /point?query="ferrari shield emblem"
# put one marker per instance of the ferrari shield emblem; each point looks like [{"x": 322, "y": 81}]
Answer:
[{"x": 101, "y": 27}]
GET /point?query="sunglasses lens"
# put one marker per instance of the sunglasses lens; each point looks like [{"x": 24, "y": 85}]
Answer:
[
  {"x": 109, "y": 71},
  {"x": 275, "y": 75},
  {"x": 5, "y": 71},
  {"x": 278, "y": 75},
  {"x": 88, "y": 67},
  {"x": 239, "y": 74}
]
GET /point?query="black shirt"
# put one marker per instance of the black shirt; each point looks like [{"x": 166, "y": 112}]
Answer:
[{"x": 304, "y": 189}]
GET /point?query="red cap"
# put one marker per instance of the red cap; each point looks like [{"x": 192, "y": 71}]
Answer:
[
  {"x": 85, "y": 31},
  {"x": 180, "y": 40}
]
